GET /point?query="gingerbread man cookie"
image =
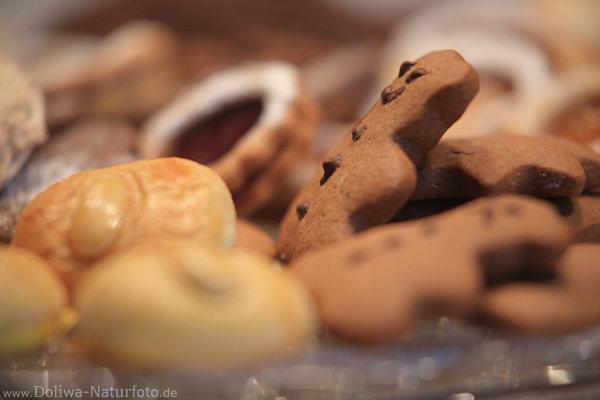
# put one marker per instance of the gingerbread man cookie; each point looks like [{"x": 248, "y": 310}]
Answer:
[
  {"x": 372, "y": 286},
  {"x": 538, "y": 166},
  {"x": 372, "y": 173}
]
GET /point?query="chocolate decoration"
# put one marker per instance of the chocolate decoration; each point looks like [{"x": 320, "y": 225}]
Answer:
[
  {"x": 417, "y": 73},
  {"x": 388, "y": 94},
  {"x": 329, "y": 167},
  {"x": 358, "y": 132},
  {"x": 406, "y": 65},
  {"x": 302, "y": 209}
]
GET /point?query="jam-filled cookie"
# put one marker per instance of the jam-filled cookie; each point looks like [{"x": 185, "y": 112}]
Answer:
[{"x": 250, "y": 123}]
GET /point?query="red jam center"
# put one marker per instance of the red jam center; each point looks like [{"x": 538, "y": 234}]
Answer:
[{"x": 208, "y": 139}]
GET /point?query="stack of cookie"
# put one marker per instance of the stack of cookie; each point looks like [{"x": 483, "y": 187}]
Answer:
[
  {"x": 150, "y": 266},
  {"x": 395, "y": 228}
]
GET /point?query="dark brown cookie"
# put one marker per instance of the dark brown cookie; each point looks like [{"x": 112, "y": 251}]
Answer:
[
  {"x": 372, "y": 173},
  {"x": 538, "y": 166},
  {"x": 571, "y": 301},
  {"x": 372, "y": 286}
]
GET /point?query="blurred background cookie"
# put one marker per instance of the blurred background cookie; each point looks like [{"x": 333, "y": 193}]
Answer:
[
  {"x": 22, "y": 124},
  {"x": 518, "y": 48},
  {"x": 128, "y": 73}
]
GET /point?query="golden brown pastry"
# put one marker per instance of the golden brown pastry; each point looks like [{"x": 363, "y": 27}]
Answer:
[
  {"x": 100, "y": 142},
  {"x": 34, "y": 301},
  {"x": 88, "y": 215},
  {"x": 178, "y": 304}
]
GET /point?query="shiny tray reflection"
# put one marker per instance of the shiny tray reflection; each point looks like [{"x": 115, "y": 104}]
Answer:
[{"x": 441, "y": 359}]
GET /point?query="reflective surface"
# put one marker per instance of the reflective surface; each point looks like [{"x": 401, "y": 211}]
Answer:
[{"x": 441, "y": 359}]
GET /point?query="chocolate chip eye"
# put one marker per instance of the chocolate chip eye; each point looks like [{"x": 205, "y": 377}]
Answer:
[
  {"x": 513, "y": 210},
  {"x": 487, "y": 215},
  {"x": 302, "y": 209},
  {"x": 329, "y": 167},
  {"x": 388, "y": 94},
  {"x": 357, "y": 132},
  {"x": 428, "y": 227},
  {"x": 406, "y": 65},
  {"x": 356, "y": 257},
  {"x": 417, "y": 73},
  {"x": 392, "y": 242}
]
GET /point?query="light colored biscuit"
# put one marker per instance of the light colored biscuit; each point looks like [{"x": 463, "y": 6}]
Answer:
[
  {"x": 372, "y": 173},
  {"x": 373, "y": 286},
  {"x": 90, "y": 214},
  {"x": 34, "y": 301},
  {"x": 179, "y": 305}
]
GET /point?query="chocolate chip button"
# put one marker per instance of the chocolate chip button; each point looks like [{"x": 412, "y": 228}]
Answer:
[{"x": 329, "y": 167}]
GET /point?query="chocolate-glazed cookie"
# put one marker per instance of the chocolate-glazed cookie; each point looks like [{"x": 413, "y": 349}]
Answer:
[
  {"x": 372, "y": 173},
  {"x": 372, "y": 286}
]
